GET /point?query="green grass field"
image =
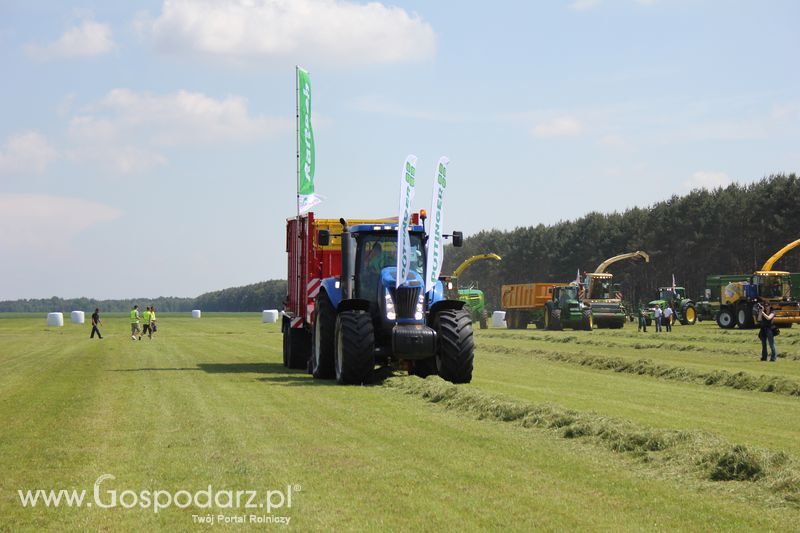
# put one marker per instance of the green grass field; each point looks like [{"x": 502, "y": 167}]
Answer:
[{"x": 559, "y": 430}]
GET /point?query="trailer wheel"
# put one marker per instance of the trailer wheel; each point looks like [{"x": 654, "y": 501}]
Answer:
[
  {"x": 689, "y": 315},
  {"x": 725, "y": 319},
  {"x": 355, "y": 347},
  {"x": 322, "y": 339},
  {"x": 587, "y": 321},
  {"x": 296, "y": 348},
  {"x": 455, "y": 353},
  {"x": 484, "y": 320}
]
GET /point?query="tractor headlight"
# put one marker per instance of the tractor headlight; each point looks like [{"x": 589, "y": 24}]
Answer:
[
  {"x": 390, "y": 312},
  {"x": 420, "y": 311}
]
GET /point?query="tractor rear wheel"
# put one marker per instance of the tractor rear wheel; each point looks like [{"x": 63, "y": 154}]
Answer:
[
  {"x": 689, "y": 315},
  {"x": 587, "y": 321},
  {"x": 455, "y": 353},
  {"x": 322, "y": 339},
  {"x": 355, "y": 347},
  {"x": 725, "y": 319}
]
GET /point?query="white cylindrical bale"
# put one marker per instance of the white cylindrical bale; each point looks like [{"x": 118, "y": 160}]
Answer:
[
  {"x": 55, "y": 319},
  {"x": 499, "y": 319},
  {"x": 77, "y": 317},
  {"x": 196, "y": 313},
  {"x": 269, "y": 316}
]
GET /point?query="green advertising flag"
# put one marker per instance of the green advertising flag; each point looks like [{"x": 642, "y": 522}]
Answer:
[{"x": 306, "y": 199}]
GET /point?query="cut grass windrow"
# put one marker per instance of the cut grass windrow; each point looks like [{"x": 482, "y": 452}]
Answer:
[
  {"x": 700, "y": 454},
  {"x": 638, "y": 345},
  {"x": 646, "y": 367}
]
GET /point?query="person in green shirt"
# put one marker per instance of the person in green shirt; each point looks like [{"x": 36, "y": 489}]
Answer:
[
  {"x": 146, "y": 323},
  {"x": 135, "y": 323}
]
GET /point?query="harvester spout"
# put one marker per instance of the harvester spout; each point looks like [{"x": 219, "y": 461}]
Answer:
[
  {"x": 780, "y": 253},
  {"x": 467, "y": 262},
  {"x": 611, "y": 260}
]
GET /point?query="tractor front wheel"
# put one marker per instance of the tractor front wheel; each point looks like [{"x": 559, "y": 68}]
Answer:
[
  {"x": 554, "y": 322},
  {"x": 455, "y": 354},
  {"x": 355, "y": 347}
]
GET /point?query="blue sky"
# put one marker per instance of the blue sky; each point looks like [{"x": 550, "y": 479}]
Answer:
[{"x": 149, "y": 149}]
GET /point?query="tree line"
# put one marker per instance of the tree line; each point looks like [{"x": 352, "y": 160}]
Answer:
[
  {"x": 727, "y": 230},
  {"x": 254, "y": 297}
]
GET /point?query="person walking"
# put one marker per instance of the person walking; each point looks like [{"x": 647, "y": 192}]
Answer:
[
  {"x": 96, "y": 322},
  {"x": 152, "y": 320},
  {"x": 668, "y": 318},
  {"x": 146, "y": 323},
  {"x": 135, "y": 323},
  {"x": 658, "y": 314},
  {"x": 766, "y": 331}
]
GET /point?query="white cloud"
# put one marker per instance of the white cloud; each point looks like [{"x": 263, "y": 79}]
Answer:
[
  {"x": 47, "y": 223},
  {"x": 707, "y": 180},
  {"x": 564, "y": 126},
  {"x": 614, "y": 141},
  {"x": 127, "y": 130},
  {"x": 26, "y": 153},
  {"x": 330, "y": 31},
  {"x": 88, "y": 39}
]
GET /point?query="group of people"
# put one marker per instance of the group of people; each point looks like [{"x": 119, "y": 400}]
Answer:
[
  {"x": 765, "y": 317},
  {"x": 147, "y": 319},
  {"x": 663, "y": 319}
]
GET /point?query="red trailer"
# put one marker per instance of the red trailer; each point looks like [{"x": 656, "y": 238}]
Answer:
[{"x": 308, "y": 264}]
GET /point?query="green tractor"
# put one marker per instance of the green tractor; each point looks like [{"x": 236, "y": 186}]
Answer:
[
  {"x": 566, "y": 310},
  {"x": 674, "y": 297},
  {"x": 472, "y": 297}
]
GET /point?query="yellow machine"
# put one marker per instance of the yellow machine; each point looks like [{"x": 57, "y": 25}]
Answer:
[
  {"x": 738, "y": 299},
  {"x": 603, "y": 296},
  {"x": 472, "y": 297}
]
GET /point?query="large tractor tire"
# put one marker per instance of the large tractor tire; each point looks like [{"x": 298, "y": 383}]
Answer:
[
  {"x": 725, "y": 319},
  {"x": 553, "y": 319},
  {"x": 322, "y": 339},
  {"x": 587, "y": 321},
  {"x": 689, "y": 315},
  {"x": 296, "y": 348},
  {"x": 484, "y": 319},
  {"x": 354, "y": 351},
  {"x": 455, "y": 354},
  {"x": 744, "y": 317}
]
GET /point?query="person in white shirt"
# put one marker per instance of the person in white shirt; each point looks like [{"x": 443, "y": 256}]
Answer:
[
  {"x": 659, "y": 313},
  {"x": 668, "y": 318}
]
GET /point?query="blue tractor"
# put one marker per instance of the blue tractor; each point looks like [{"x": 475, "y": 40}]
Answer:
[{"x": 361, "y": 318}]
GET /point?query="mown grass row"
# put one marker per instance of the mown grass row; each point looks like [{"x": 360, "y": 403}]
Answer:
[
  {"x": 646, "y": 367},
  {"x": 701, "y": 454},
  {"x": 600, "y": 342}
]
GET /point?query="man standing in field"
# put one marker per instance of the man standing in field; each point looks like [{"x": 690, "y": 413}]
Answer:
[
  {"x": 146, "y": 323},
  {"x": 658, "y": 314},
  {"x": 153, "y": 327},
  {"x": 96, "y": 322},
  {"x": 135, "y": 323},
  {"x": 668, "y": 318}
]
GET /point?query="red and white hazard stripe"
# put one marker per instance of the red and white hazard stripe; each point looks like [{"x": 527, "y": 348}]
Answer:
[
  {"x": 296, "y": 322},
  {"x": 313, "y": 286}
]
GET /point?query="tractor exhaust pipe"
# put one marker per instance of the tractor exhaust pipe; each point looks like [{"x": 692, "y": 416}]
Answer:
[{"x": 347, "y": 267}]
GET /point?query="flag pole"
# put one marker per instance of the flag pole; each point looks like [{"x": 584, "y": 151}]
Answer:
[{"x": 297, "y": 134}]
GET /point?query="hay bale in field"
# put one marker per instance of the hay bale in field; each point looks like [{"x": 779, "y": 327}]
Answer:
[
  {"x": 269, "y": 316},
  {"x": 499, "y": 319},
  {"x": 196, "y": 313},
  {"x": 77, "y": 317},
  {"x": 55, "y": 319}
]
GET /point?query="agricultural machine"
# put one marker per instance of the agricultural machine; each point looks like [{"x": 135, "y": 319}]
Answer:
[
  {"x": 604, "y": 297},
  {"x": 738, "y": 298},
  {"x": 344, "y": 313},
  {"x": 472, "y": 297},
  {"x": 674, "y": 297},
  {"x": 547, "y": 305}
]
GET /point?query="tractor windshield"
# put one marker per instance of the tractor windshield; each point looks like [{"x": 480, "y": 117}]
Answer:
[
  {"x": 379, "y": 250},
  {"x": 600, "y": 289},
  {"x": 774, "y": 287},
  {"x": 569, "y": 292}
]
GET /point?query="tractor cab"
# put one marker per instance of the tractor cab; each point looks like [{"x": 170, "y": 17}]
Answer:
[
  {"x": 773, "y": 285},
  {"x": 566, "y": 294},
  {"x": 671, "y": 294},
  {"x": 600, "y": 286}
]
